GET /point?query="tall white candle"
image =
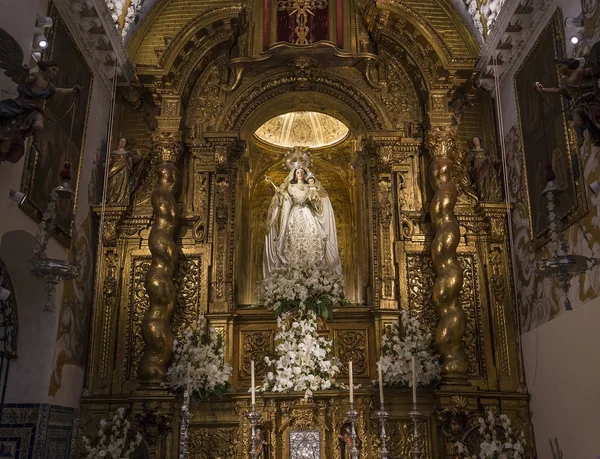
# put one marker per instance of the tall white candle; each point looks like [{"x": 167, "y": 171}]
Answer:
[
  {"x": 380, "y": 385},
  {"x": 351, "y": 381},
  {"x": 414, "y": 381},
  {"x": 252, "y": 382},
  {"x": 188, "y": 382}
]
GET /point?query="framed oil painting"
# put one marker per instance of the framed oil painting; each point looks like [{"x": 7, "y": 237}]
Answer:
[
  {"x": 547, "y": 140},
  {"x": 41, "y": 171}
]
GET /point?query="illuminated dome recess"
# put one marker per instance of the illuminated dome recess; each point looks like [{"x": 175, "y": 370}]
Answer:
[{"x": 306, "y": 129}]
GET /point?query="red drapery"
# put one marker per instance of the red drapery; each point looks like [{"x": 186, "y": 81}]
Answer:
[{"x": 318, "y": 26}]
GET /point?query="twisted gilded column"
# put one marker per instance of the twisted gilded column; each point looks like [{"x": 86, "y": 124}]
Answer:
[
  {"x": 156, "y": 324},
  {"x": 441, "y": 141}
]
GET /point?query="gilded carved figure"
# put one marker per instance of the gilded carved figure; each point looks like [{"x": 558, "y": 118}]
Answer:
[
  {"x": 579, "y": 86},
  {"x": 23, "y": 116},
  {"x": 124, "y": 174},
  {"x": 261, "y": 445},
  {"x": 485, "y": 173},
  {"x": 300, "y": 225},
  {"x": 345, "y": 438}
]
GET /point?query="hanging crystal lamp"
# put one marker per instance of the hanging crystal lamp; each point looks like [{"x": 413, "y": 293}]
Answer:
[
  {"x": 562, "y": 266},
  {"x": 50, "y": 270}
]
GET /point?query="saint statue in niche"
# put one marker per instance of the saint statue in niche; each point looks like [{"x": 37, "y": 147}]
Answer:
[
  {"x": 124, "y": 174},
  {"x": 300, "y": 224}
]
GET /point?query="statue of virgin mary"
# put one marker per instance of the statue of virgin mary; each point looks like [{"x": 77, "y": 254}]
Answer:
[{"x": 300, "y": 225}]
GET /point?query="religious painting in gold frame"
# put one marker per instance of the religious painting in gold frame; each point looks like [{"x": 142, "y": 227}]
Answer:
[
  {"x": 547, "y": 140},
  {"x": 41, "y": 171}
]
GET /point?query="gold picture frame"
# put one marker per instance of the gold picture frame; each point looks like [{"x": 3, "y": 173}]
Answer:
[
  {"x": 547, "y": 137},
  {"x": 41, "y": 172}
]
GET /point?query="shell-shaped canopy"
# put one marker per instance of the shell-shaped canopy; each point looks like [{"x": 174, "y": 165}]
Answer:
[{"x": 306, "y": 129}]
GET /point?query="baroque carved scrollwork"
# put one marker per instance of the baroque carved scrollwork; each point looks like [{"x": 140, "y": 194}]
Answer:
[
  {"x": 256, "y": 346},
  {"x": 110, "y": 292},
  {"x": 187, "y": 280},
  {"x": 420, "y": 287},
  {"x": 351, "y": 346},
  {"x": 218, "y": 442}
]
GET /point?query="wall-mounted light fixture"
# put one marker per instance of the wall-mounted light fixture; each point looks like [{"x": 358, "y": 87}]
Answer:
[
  {"x": 40, "y": 41},
  {"x": 43, "y": 21},
  {"x": 576, "y": 39},
  {"x": 574, "y": 22},
  {"x": 17, "y": 196}
]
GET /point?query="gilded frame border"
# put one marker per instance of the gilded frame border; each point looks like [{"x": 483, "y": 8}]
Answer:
[
  {"x": 579, "y": 207},
  {"x": 28, "y": 183}
]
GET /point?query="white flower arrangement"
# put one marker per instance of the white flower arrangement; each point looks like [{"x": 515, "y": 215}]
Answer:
[
  {"x": 498, "y": 443},
  {"x": 113, "y": 440},
  {"x": 116, "y": 8},
  {"x": 134, "y": 11},
  {"x": 405, "y": 339},
  {"x": 304, "y": 359},
  {"x": 204, "y": 349},
  {"x": 317, "y": 288}
]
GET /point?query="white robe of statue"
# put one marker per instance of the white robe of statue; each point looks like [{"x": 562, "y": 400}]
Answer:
[{"x": 300, "y": 226}]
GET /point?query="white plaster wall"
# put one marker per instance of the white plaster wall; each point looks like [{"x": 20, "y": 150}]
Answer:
[
  {"x": 562, "y": 364},
  {"x": 30, "y": 373},
  {"x": 562, "y": 367}
]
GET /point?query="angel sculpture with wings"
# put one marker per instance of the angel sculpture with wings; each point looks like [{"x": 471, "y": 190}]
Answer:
[{"x": 23, "y": 116}]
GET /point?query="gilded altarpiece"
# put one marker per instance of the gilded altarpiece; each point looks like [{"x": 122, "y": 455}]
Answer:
[{"x": 215, "y": 89}]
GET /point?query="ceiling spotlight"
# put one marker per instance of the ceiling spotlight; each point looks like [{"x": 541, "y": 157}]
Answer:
[
  {"x": 43, "y": 21},
  {"x": 39, "y": 41},
  {"x": 575, "y": 39},
  {"x": 574, "y": 22},
  {"x": 4, "y": 294},
  {"x": 17, "y": 196}
]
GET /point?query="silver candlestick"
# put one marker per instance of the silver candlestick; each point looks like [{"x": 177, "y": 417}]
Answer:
[
  {"x": 254, "y": 416},
  {"x": 353, "y": 416},
  {"x": 383, "y": 417},
  {"x": 185, "y": 424},
  {"x": 416, "y": 417}
]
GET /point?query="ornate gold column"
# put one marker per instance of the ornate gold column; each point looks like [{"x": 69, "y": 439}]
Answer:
[
  {"x": 156, "y": 324},
  {"x": 442, "y": 143}
]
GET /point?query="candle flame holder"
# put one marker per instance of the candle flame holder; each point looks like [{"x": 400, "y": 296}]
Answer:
[
  {"x": 416, "y": 417},
  {"x": 383, "y": 416},
  {"x": 353, "y": 416},
  {"x": 185, "y": 425},
  {"x": 254, "y": 416}
]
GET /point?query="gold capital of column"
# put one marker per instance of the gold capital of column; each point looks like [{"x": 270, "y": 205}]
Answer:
[{"x": 442, "y": 143}]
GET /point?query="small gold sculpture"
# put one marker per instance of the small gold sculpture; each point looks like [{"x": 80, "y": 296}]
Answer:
[
  {"x": 484, "y": 173},
  {"x": 124, "y": 174}
]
